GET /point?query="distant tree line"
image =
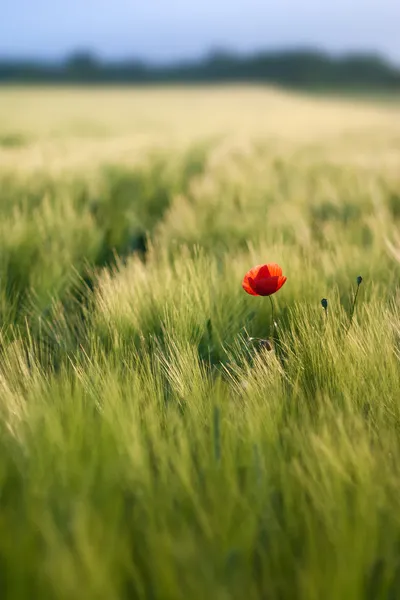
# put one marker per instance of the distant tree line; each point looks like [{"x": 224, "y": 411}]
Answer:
[{"x": 296, "y": 68}]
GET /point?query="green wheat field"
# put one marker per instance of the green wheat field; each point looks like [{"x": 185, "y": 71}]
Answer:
[{"x": 149, "y": 448}]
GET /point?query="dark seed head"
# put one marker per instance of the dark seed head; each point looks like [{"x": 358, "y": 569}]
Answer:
[
  {"x": 324, "y": 303},
  {"x": 263, "y": 343},
  {"x": 267, "y": 344},
  {"x": 359, "y": 280}
]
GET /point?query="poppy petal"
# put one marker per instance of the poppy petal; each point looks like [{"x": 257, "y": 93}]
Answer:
[
  {"x": 266, "y": 286},
  {"x": 274, "y": 270},
  {"x": 263, "y": 271},
  {"x": 263, "y": 280},
  {"x": 281, "y": 281},
  {"x": 255, "y": 271},
  {"x": 248, "y": 285}
]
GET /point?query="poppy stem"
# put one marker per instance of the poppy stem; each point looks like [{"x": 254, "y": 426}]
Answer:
[
  {"x": 324, "y": 304},
  {"x": 359, "y": 280},
  {"x": 272, "y": 333}
]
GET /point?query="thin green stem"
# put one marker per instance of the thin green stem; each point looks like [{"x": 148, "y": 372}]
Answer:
[
  {"x": 353, "y": 307},
  {"x": 324, "y": 304},
  {"x": 272, "y": 332}
]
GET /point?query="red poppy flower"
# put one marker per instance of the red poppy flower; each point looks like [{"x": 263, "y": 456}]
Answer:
[{"x": 263, "y": 280}]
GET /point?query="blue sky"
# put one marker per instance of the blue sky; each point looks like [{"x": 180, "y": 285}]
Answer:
[{"x": 163, "y": 30}]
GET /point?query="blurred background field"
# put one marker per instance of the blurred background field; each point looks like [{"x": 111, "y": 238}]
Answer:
[
  {"x": 59, "y": 129},
  {"x": 148, "y": 448}
]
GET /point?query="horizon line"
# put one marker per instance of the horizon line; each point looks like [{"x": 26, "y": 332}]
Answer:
[{"x": 95, "y": 55}]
